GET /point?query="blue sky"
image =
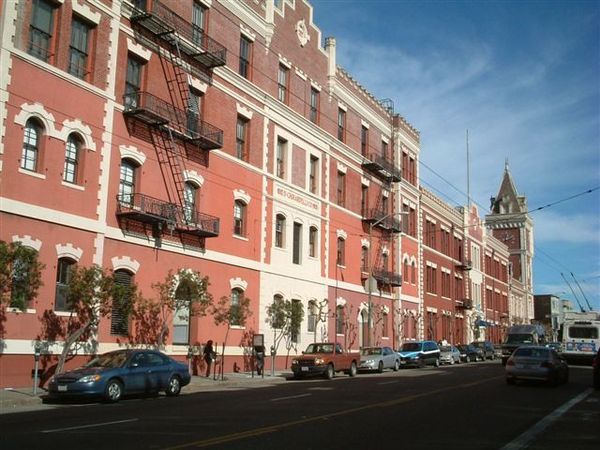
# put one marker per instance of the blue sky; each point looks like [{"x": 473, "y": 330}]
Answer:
[{"x": 524, "y": 78}]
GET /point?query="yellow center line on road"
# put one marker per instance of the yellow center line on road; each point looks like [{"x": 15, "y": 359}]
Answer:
[{"x": 274, "y": 428}]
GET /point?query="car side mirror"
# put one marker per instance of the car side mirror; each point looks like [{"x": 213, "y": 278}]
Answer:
[{"x": 133, "y": 365}]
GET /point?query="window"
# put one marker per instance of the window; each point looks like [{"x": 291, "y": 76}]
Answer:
[
  {"x": 78, "y": 51},
  {"x": 314, "y": 174},
  {"x": 384, "y": 323},
  {"x": 364, "y": 200},
  {"x": 280, "y": 231},
  {"x": 405, "y": 271},
  {"x": 384, "y": 261},
  {"x": 199, "y": 13},
  {"x": 31, "y": 146},
  {"x": 21, "y": 273},
  {"x": 384, "y": 204},
  {"x": 119, "y": 317},
  {"x": 282, "y": 83},
  {"x": 239, "y": 218},
  {"x": 445, "y": 237},
  {"x": 430, "y": 232},
  {"x": 279, "y": 317},
  {"x": 341, "y": 189},
  {"x": 41, "y": 29},
  {"x": 384, "y": 150},
  {"x": 341, "y": 125},
  {"x": 127, "y": 182},
  {"x": 280, "y": 158},
  {"x": 193, "y": 112},
  {"x": 364, "y": 141},
  {"x": 133, "y": 81},
  {"x": 64, "y": 269},
  {"x": 431, "y": 279},
  {"x": 311, "y": 318},
  {"x": 314, "y": 106},
  {"x": 413, "y": 273},
  {"x": 341, "y": 252},
  {"x": 296, "y": 320},
  {"x": 364, "y": 259},
  {"x": 181, "y": 315},
  {"x": 297, "y": 248},
  {"x": 241, "y": 136},
  {"x": 445, "y": 284},
  {"x": 245, "y": 56},
  {"x": 339, "y": 320},
  {"x": 313, "y": 241},
  {"x": 72, "y": 154},
  {"x": 190, "y": 194},
  {"x": 458, "y": 288},
  {"x": 236, "y": 307}
]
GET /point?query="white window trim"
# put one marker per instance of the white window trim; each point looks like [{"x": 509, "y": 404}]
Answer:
[
  {"x": 131, "y": 152},
  {"x": 68, "y": 251},
  {"x": 28, "y": 241},
  {"x": 85, "y": 12},
  {"x": 126, "y": 263}
]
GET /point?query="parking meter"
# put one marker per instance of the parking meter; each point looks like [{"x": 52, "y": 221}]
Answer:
[{"x": 37, "y": 350}]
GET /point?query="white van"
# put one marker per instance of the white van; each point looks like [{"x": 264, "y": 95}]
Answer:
[{"x": 581, "y": 336}]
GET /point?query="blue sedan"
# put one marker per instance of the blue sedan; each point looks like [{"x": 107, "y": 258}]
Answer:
[{"x": 122, "y": 372}]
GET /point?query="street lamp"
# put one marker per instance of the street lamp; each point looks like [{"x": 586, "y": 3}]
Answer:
[{"x": 371, "y": 279}]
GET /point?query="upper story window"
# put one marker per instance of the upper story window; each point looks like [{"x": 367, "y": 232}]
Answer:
[
  {"x": 364, "y": 259},
  {"x": 133, "y": 80},
  {"x": 297, "y": 247},
  {"x": 190, "y": 194},
  {"x": 313, "y": 241},
  {"x": 194, "y": 111},
  {"x": 430, "y": 231},
  {"x": 119, "y": 317},
  {"x": 281, "y": 158},
  {"x": 314, "y": 105},
  {"x": 72, "y": 157},
  {"x": 245, "y": 57},
  {"x": 283, "y": 83},
  {"x": 339, "y": 319},
  {"x": 313, "y": 174},
  {"x": 236, "y": 307},
  {"x": 384, "y": 150},
  {"x": 364, "y": 199},
  {"x": 364, "y": 141},
  {"x": 64, "y": 270},
  {"x": 341, "y": 252},
  {"x": 199, "y": 17},
  {"x": 405, "y": 272},
  {"x": 384, "y": 204},
  {"x": 239, "y": 218},
  {"x": 241, "y": 138},
  {"x": 41, "y": 30},
  {"x": 280, "y": 231},
  {"x": 341, "y": 189},
  {"x": 127, "y": 181},
  {"x": 79, "y": 49},
  {"x": 384, "y": 261},
  {"x": 31, "y": 145},
  {"x": 341, "y": 132}
]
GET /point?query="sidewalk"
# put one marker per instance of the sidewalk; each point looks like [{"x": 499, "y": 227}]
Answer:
[{"x": 23, "y": 399}]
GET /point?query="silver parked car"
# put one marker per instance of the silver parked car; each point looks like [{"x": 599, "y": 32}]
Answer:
[
  {"x": 449, "y": 354},
  {"x": 378, "y": 358},
  {"x": 536, "y": 363}
]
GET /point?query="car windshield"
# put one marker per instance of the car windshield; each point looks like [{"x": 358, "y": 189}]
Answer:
[
  {"x": 529, "y": 352},
  {"x": 411, "y": 347},
  {"x": 108, "y": 360},
  {"x": 519, "y": 339},
  {"x": 371, "y": 351},
  {"x": 319, "y": 348}
]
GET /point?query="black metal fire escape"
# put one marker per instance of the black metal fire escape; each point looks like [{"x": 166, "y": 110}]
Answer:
[{"x": 175, "y": 126}]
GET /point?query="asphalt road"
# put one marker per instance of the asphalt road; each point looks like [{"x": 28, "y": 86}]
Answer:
[{"x": 464, "y": 406}]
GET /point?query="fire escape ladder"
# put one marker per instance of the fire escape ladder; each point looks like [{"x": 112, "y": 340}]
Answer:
[
  {"x": 176, "y": 77},
  {"x": 171, "y": 163}
]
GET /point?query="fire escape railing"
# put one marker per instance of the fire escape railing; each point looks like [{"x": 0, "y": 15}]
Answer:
[
  {"x": 155, "y": 111},
  {"x": 378, "y": 217},
  {"x": 150, "y": 210},
  {"x": 387, "y": 277},
  {"x": 381, "y": 167},
  {"x": 174, "y": 29}
]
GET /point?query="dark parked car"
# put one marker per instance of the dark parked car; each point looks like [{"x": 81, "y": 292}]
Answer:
[
  {"x": 536, "y": 363},
  {"x": 468, "y": 353},
  {"x": 122, "y": 372},
  {"x": 487, "y": 348},
  {"x": 596, "y": 370},
  {"x": 419, "y": 354}
]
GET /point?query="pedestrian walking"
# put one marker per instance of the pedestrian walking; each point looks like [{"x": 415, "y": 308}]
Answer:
[{"x": 209, "y": 356}]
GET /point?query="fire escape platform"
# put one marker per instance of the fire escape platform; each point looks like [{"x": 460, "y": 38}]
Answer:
[
  {"x": 387, "y": 277},
  {"x": 382, "y": 168}
]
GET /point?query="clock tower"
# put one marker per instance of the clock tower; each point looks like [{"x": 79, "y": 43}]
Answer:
[{"x": 510, "y": 222}]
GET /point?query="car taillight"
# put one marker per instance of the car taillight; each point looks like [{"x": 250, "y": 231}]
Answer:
[
  {"x": 510, "y": 362},
  {"x": 547, "y": 365}
]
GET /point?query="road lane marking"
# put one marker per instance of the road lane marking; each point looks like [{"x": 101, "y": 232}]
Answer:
[
  {"x": 274, "y": 428},
  {"x": 525, "y": 439},
  {"x": 291, "y": 396},
  {"x": 389, "y": 382},
  {"x": 88, "y": 426}
]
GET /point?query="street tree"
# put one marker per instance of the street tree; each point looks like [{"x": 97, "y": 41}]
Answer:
[
  {"x": 20, "y": 275},
  {"x": 284, "y": 317},
  {"x": 231, "y": 311}
]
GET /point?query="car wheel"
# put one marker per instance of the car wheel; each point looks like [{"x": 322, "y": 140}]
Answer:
[
  {"x": 380, "y": 367},
  {"x": 396, "y": 366},
  {"x": 113, "y": 391},
  {"x": 352, "y": 371},
  {"x": 329, "y": 373},
  {"x": 451, "y": 361},
  {"x": 174, "y": 386}
]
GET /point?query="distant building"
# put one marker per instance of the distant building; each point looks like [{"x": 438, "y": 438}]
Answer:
[{"x": 548, "y": 311}]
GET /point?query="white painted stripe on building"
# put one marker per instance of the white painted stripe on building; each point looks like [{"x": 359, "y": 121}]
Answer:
[{"x": 525, "y": 439}]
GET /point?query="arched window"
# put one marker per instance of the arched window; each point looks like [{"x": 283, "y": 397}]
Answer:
[
  {"x": 181, "y": 315},
  {"x": 413, "y": 273},
  {"x": 119, "y": 317},
  {"x": 384, "y": 261},
  {"x": 239, "y": 218},
  {"x": 384, "y": 325},
  {"x": 339, "y": 320},
  {"x": 23, "y": 265},
  {"x": 190, "y": 195},
  {"x": 313, "y": 241},
  {"x": 280, "y": 231},
  {"x": 405, "y": 273},
  {"x": 72, "y": 156},
  {"x": 341, "y": 251},
  {"x": 127, "y": 181},
  {"x": 364, "y": 259},
  {"x": 31, "y": 145},
  {"x": 63, "y": 278},
  {"x": 236, "y": 307}
]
